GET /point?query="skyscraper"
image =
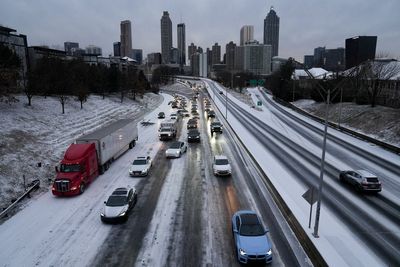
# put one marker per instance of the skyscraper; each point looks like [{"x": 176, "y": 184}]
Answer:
[
  {"x": 126, "y": 39},
  {"x": 230, "y": 55},
  {"x": 246, "y": 34},
  {"x": 360, "y": 49},
  {"x": 166, "y": 37},
  {"x": 271, "y": 31},
  {"x": 181, "y": 44},
  {"x": 216, "y": 54},
  {"x": 191, "y": 50}
]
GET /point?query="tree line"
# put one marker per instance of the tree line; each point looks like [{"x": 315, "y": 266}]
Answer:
[{"x": 67, "y": 79}]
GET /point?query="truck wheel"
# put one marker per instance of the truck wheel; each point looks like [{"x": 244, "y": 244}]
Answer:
[{"x": 81, "y": 188}]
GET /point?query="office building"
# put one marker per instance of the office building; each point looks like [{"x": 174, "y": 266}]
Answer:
[
  {"x": 308, "y": 61},
  {"x": 126, "y": 39},
  {"x": 271, "y": 31},
  {"x": 230, "y": 55},
  {"x": 154, "y": 58},
  {"x": 203, "y": 69},
  {"x": 334, "y": 59},
  {"x": 16, "y": 42},
  {"x": 137, "y": 55},
  {"x": 195, "y": 64},
  {"x": 209, "y": 58},
  {"x": 174, "y": 56},
  {"x": 216, "y": 54},
  {"x": 181, "y": 44},
  {"x": 166, "y": 38},
  {"x": 360, "y": 49},
  {"x": 319, "y": 53},
  {"x": 117, "y": 49},
  {"x": 191, "y": 50},
  {"x": 93, "y": 50},
  {"x": 69, "y": 46},
  {"x": 254, "y": 57},
  {"x": 246, "y": 34}
]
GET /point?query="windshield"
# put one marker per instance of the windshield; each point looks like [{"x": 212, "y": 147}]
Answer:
[
  {"x": 139, "y": 162},
  {"x": 215, "y": 124},
  {"x": 221, "y": 162},
  {"x": 175, "y": 145},
  {"x": 165, "y": 130},
  {"x": 251, "y": 230},
  {"x": 194, "y": 132},
  {"x": 115, "y": 201},
  {"x": 70, "y": 168}
]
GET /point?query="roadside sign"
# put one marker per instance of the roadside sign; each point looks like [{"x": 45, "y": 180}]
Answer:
[
  {"x": 311, "y": 197},
  {"x": 255, "y": 82}
]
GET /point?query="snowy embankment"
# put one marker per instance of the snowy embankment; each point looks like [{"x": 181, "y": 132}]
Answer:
[
  {"x": 40, "y": 133},
  {"x": 381, "y": 123}
]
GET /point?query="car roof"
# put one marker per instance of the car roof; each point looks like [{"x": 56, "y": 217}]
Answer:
[
  {"x": 141, "y": 158},
  {"x": 365, "y": 173},
  {"x": 220, "y": 157},
  {"x": 120, "y": 191}
]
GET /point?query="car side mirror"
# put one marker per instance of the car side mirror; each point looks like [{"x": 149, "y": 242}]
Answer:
[{"x": 266, "y": 231}]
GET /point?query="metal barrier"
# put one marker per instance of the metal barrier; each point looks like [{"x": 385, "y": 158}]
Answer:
[{"x": 34, "y": 185}]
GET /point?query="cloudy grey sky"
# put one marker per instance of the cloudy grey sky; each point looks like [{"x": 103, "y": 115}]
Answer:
[{"x": 304, "y": 24}]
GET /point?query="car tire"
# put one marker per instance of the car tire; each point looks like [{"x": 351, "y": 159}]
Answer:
[
  {"x": 341, "y": 179},
  {"x": 81, "y": 188}
]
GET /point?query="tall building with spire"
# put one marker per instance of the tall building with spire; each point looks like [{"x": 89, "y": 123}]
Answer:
[
  {"x": 181, "y": 44},
  {"x": 271, "y": 31},
  {"x": 126, "y": 39},
  {"x": 166, "y": 38}
]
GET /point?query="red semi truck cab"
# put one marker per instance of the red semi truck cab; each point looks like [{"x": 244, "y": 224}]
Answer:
[{"x": 77, "y": 169}]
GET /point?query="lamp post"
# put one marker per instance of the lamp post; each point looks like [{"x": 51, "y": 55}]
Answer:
[{"x": 321, "y": 174}]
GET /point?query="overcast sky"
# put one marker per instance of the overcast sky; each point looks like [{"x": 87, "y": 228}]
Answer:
[{"x": 304, "y": 24}]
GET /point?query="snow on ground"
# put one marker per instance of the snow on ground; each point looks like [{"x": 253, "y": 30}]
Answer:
[
  {"x": 41, "y": 133},
  {"x": 336, "y": 241},
  {"x": 75, "y": 231},
  {"x": 382, "y": 123}
]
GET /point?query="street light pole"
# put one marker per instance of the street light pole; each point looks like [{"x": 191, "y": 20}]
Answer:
[
  {"x": 321, "y": 175},
  {"x": 226, "y": 103},
  {"x": 340, "y": 107}
]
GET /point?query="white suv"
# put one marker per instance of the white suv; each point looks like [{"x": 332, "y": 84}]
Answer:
[{"x": 221, "y": 166}]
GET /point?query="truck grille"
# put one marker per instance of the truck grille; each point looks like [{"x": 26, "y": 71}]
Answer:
[{"x": 62, "y": 185}]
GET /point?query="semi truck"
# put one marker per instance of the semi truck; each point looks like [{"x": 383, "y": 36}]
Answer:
[{"x": 91, "y": 155}]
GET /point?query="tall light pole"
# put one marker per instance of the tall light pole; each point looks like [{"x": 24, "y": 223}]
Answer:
[{"x": 321, "y": 174}]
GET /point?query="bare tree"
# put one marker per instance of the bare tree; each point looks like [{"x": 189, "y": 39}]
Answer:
[{"x": 375, "y": 76}]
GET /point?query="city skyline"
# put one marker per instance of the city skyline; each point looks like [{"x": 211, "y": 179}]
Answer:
[{"x": 321, "y": 25}]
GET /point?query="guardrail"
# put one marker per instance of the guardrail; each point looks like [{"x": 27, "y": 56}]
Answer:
[
  {"x": 34, "y": 185},
  {"x": 387, "y": 146}
]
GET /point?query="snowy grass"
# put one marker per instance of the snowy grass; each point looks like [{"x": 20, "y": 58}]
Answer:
[{"x": 41, "y": 133}]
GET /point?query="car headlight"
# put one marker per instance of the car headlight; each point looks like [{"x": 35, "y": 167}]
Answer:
[
  {"x": 144, "y": 171},
  {"x": 74, "y": 188},
  {"x": 242, "y": 252},
  {"x": 102, "y": 214},
  {"x": 269, "y": 252}
]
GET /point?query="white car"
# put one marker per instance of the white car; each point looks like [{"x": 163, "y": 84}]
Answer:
[
  {"x": 221, "y": 166},
  {"x": 118, "y": 205},
  {"x": 140, "y": 166},
  {"x": 173, "y": 116},
  {"x": 176, "y": 149}
]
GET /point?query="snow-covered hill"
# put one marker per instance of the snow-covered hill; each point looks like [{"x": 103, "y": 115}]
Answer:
[{"x": 40, "y": 133}]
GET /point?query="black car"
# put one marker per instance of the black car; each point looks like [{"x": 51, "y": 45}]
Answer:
[
  {"x": 193, "y": 135},
  {"x": 210, "y": 114},
  {"x": 215, "y": 127},
  {"x": 361, "y": 180},
  {"x": 161, "y": 115}
]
